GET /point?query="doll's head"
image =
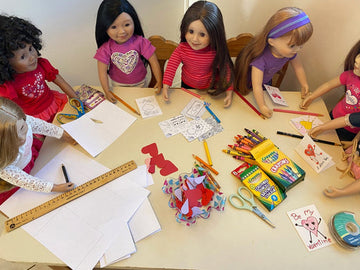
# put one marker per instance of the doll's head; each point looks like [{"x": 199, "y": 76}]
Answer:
[
  {"x": 15, "y": 34},
  {"x": 13, "y": 130},
  {"x": 108, "y": 13},
  {"x": 204, "y": 15},
  {"x": 352, "y": 60},
  {"x": 285, "y": 32}
]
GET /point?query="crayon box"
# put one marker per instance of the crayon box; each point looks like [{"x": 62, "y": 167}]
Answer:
[
  {"x": 281, "y": 169},
  {"x": 259, "y": 183}
]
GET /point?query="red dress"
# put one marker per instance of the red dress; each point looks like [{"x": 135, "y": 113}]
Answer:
[{"x": 30, "y": 91}]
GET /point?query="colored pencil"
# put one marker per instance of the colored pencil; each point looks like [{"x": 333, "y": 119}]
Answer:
[
  {"x": 206, "y": 165},
  {"x": 300, "y": 137},
  {"x": 250, "y": 105},
  {"x": 207, "y": 153},
  {"x": 127, "y": 105},
  {"x": 297, "y": 112},
  {"x": 211, "y": 112},
  {"x": 191, "y": 93}
]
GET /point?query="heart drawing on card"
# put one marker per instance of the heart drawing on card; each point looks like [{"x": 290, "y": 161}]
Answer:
[
  {"x": 311, "y": 224},
  {"x": 126, "y": 62},
  {"x": 309, "y": 151}
]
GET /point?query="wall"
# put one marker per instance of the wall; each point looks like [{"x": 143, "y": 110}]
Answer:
[{"x": 69, "y": 42}]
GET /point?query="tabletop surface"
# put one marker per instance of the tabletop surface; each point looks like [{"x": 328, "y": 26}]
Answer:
[{"x": 226, "y": 240}]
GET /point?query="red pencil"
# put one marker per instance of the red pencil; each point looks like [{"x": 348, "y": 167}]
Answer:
[
  {"x": 192, "y": 93},
  {"x": 250, "y": 105},
  {"x": 297, "y": 112}
]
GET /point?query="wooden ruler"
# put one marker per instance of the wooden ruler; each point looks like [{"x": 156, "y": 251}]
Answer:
[{"x": 38, "y": 211}]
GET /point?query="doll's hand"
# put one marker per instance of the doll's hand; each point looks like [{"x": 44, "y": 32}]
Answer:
[
  {"x": 67, "y": 138},
  {"x": 165, "y": 92},
  {"x": 63, "y": 187},
  {"x": 314, "y": 132},
  {"x": 333, "y": 192},
  {"x": 306, "y": 102},
  {"x": 304, "y": 92},
  {"x": 228, "y": 99},
  {"x": 266, "y": 111},
  {"x": 109, "y": 96},
  {"x": 158, "y": 87}
]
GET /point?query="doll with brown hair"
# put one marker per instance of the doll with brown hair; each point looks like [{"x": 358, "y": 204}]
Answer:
[
  {"x": 17, "y": 153},
  {"x": 344, "y": 112},
  {"x": 203, "y": 52},
  {"x": 279, "y": 42}
]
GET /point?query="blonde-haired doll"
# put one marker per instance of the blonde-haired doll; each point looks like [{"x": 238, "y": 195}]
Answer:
[
  {"x": 279, "y": 42},
  {"x": 16, "y": 141}
]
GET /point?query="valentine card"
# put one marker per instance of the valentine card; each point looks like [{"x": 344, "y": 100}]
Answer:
[
  {"x": 148, "y": 106},
  {"x": 275, "y": 95},
  {"x": 311, "y": 227},
  {"x": 305, "y": 122},
  {"x": 173, "y": 125},
  {"x": 313, "y": 154},
  {"x": 194, "y": 109}
]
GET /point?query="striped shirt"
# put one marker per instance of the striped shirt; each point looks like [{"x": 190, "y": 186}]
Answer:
[{"x": 196, "y": 70}]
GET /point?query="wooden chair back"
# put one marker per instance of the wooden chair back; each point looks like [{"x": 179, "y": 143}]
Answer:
[
  {"x": 164, "y": 49},
  {"x": 236, "y": 44}
]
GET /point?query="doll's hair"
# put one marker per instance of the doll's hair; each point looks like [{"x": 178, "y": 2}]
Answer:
[
  {"x": 257, "y": 45},
  {"x": 210, "y": 16},
  {"x": 350, "y": 58},
  {"x": 15, "y": 34},
  {"x": 108, "y": 11},
  {"x": 10, "y": 113}
]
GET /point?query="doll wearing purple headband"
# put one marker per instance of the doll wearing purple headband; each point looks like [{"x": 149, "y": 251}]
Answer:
[{"x": 278, "y": 43}]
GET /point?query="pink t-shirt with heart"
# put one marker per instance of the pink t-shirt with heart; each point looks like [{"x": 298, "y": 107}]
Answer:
[
  {"x": 124, "y": 60},
  {"x": 351, "y": 102}
]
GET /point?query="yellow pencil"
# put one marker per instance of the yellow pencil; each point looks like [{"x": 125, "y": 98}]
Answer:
[
  {"x": 127, "y": 105},
  {"x": 207, "y": 153}
]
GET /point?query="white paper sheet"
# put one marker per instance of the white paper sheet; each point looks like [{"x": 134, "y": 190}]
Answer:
[
  {"x": 148, "y": 106},
  {"x": 90, "y": 212},
  {"x": 95, "y": 137},
  {"x": 194, "y": 109}
]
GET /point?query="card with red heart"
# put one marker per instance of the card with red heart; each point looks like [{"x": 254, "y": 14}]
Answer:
[
  {"x": 311, "y": 227},
  {"x": 313, "y": 154}
]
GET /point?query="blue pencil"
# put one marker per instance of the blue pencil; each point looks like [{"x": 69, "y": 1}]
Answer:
[{"x": 211, "y": 112}]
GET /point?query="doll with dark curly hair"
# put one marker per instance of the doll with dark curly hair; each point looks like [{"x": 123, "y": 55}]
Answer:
[{"x": 23, "y": 72}]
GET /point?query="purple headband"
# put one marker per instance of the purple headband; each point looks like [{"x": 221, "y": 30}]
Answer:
[{"x": 288, "y": 25}]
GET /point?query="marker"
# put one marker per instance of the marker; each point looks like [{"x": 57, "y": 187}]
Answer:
[
  {"x": 300, "y": 137},
  {"x": 211, "y": 112},
  {"x": 65, "y": 173},
  {"x": 207, "y": 153}
]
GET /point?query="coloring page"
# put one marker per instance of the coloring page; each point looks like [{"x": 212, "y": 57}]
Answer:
[
  {"x": 275, "y": 95},
  {"x": 173, "y": 125},
  {"x": 313, "y": 154},
  {"x": 305, "y": 122},
  {"x": 311, "y": 227},
  {"x": 148, "y": 106},
  {"x": 195, "y": 128},
  {"x": 215, "y": 129},
  {"x": 194, "y": 109}
]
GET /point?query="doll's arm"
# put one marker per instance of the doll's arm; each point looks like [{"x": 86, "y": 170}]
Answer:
[
  {"x": 332, "y": 124},
  {"x": 165, "y": 92},
  {"x": 350, "y": 189},
  {"x": 155, "y": 67},
  {"x": 300, "y": 75},
  {"x": 321, "y": 90},
  {"x": 228, "y": 98},
  {"x": 256, "y": 80},
  {"x": 64, "y": 86},
  {"x": 103, "y": 77}
]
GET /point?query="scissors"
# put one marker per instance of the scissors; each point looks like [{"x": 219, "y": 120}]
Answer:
[
  {"x": 247, "y": 203},
  {"x": 77, "y": 105}
]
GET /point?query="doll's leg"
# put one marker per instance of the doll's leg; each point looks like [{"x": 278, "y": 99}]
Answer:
[{"x": 350, "y": 189}]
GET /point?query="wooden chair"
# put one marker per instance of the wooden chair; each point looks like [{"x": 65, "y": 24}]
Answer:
[
  {"x": 236, "y": 44},
  {"x": 164, "y": 49}
]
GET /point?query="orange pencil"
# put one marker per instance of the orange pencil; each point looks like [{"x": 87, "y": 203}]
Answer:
[
  {"x": 127, "y": 105},
  {"x": 206, "y": 165}
]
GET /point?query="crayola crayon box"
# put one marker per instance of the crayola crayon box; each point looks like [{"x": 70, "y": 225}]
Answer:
[
  {"x": 263, "y": 188},
  {"x": 281, "y": 169}
]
